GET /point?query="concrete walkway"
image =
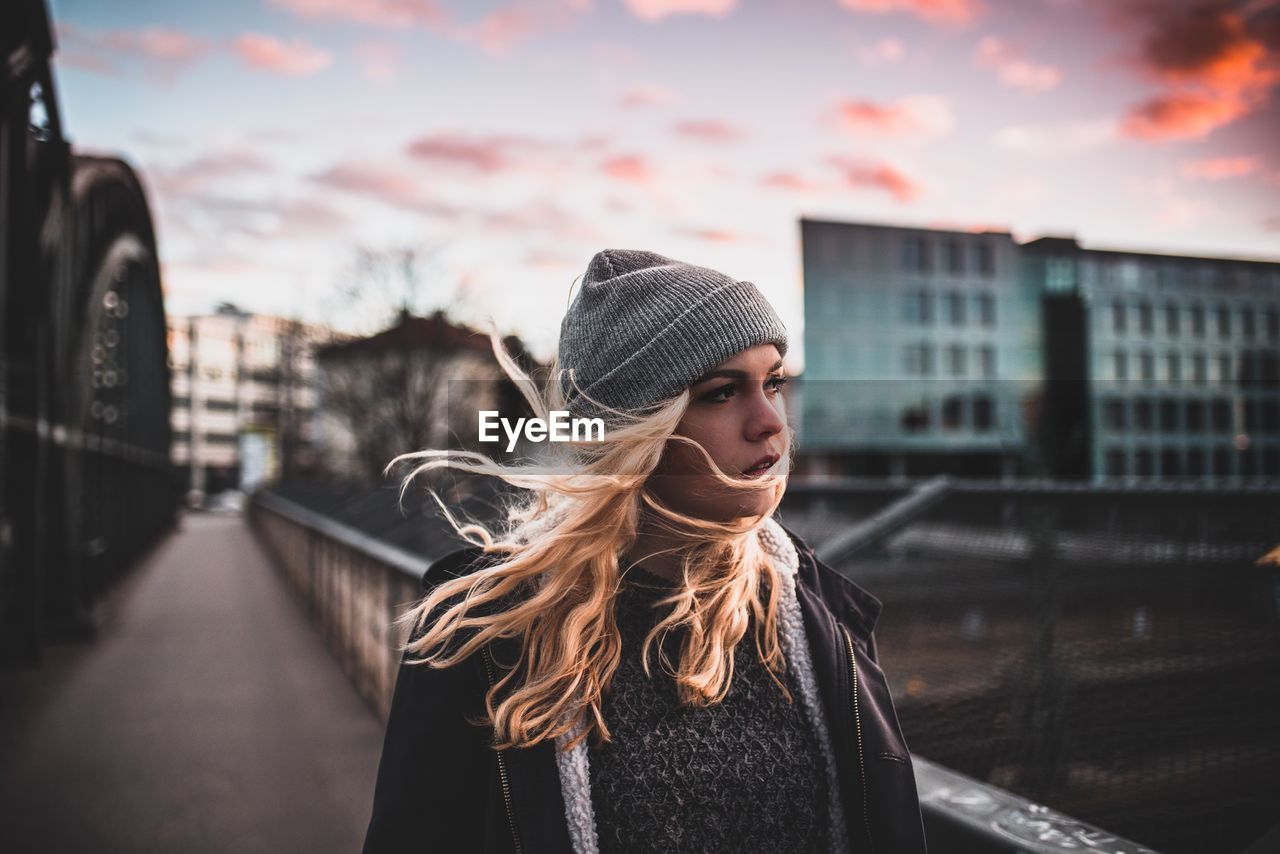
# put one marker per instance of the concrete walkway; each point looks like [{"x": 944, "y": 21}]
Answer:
[{"x": 207, "y": 717}]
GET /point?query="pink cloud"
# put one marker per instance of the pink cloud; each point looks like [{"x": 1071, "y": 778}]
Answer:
[
  {"x": 654, "y": 10},
  {"x": 296, "y": 58},
  {"x": 165, "y": 50},
  {"x": 645, "y": 96},
  {"x": 791, "y": 182},
  {"x": 859, "y": 173},
  {"x": 396, "y": 14},
  {"x": 708, "y": 130},
  {"x": 932, "y": 11},
  {"x": 485, "y": 154},
  {"x": 1218, "y": 168},
  {"x": 383, "y": 184},
  {"x": 916, "y": 115},
  {"x": 1013, "y": 68},
  {"x": 505, "y": 27},
  {"x": 196, "y": 175},
  {"x": 629, "y": 167}
]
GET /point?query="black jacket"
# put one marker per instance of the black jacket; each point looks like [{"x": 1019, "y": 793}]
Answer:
[{"x": 442, "y": 788}]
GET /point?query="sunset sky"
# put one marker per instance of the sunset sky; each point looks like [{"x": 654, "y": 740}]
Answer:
[{"x": 513, "y": 140}]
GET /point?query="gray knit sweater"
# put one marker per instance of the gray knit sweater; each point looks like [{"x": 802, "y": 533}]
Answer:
[{"x": 712, "y": 789}]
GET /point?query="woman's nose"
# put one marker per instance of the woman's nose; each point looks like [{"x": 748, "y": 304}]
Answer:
[{"x": 765, "y": 418}]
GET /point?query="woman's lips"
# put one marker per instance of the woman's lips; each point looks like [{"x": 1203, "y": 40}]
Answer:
[{"x": 760, "y": 469}]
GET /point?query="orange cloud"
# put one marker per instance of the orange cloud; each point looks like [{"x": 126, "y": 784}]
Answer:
[
  {"x": 296, "y": 58},
  {"x": 858, "y": 173},
  {"x": 1013, "y": 69},
  {"x": 654, "y": 10},
  {"x": 709, "y": 130},
  {"x": 1218, "y": 168},
  {"x": 1217, "y": 64},
  {"x": 933, "y": 11},
  {"x": 1182, "y": 115},
  {"x": 629, "y": 167},
  {"x": 917, "y": 115}
]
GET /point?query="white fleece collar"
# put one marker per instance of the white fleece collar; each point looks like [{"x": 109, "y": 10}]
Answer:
[{"x": 575, "y": 775}]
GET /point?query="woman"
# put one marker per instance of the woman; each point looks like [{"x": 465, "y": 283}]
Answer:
[{"x": 644, "y": 659}]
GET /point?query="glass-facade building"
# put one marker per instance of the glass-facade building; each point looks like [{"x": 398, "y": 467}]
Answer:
[{"x": 930, "y": 351}]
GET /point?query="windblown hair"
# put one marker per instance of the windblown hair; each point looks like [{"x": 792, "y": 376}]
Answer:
[{"x": 551, "y": 576}]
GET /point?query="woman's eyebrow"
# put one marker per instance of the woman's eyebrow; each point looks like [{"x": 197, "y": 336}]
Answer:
[{"x": 731, "y": 373}]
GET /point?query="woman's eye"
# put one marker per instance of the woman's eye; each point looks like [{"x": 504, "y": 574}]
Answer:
[{"x": 720, "y": 395}]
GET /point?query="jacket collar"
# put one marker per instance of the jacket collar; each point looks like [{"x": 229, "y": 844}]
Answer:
[{"x": 845, "y": 597}]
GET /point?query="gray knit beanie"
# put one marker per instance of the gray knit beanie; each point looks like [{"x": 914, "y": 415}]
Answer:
[{"x": 643, "y": 327}]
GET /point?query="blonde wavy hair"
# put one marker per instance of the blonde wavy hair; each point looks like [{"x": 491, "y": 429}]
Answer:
[{"x": 556, "y": 571}]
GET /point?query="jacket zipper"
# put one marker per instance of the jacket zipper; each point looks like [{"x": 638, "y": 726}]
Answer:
[
  {"x": 502, "y": 766},
  {"x": 857, "y": 727}
]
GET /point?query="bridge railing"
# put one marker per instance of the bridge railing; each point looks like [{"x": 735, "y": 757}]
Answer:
[{"x": 353, "y": 586}]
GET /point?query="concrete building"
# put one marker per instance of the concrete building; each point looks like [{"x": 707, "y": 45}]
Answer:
[
  {"x": 931, "y": 351},
  {"x": 243, "y": 397}
]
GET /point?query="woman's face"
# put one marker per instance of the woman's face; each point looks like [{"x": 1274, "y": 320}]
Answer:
[{"x": 738, "y": 414}]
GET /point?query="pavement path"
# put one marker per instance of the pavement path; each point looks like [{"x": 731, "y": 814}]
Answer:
[{"x": 207, "y": 717}]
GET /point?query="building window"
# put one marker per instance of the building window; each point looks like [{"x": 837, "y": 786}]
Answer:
[
  {"x": 917, "y": 307},
  {"x": 1222, "y": 462},
  {"x": 1146, "y": 318},
  {"x": 984, "y": 415},
  {"x": 1116, "y": 460},
  {"x": 1171, "y": 463},
  {"x": 1197, "y": 321},
  {"x": 1247, "y": 322},
  {"x": 1172, "y": 319},
  {"x": 951, "y": 256},
  {"x": 985, "y": 304},
  {"x": 1195, "y": 416},
  {"x": 915, "y": 419},
  {"x": 1120, "y": 365},
  {"x": 214, "y": 404},
  {"x": 919, "y": 360},
  {"x": 1199, "y": 368},
  {"x": 1119, "y": 317},
  {"x": 1169, "y": 416},
  {"x": 1273, "y": 322},
  {"x": 987, "y": 361},
  {"x": 952, "y": 413},
  {"x": 181, "y": 401},
  {"x": 1142, "y": 414},
  {"x": 1173, "y": 367},
  {"x": 986, "y": 259},
  {"x": 955, "y": 308},
  {"x": 1195, "y": 462},
  {"x": 915, "y": 255},
  {"x": 1226, "y": 370},
  {"x": 1114, "y": 413},
  {"x": 1147, "y": 366},
  {"x": 955, "y": 356},
  {"x": 1221, "y": 410},
  {"x": 1144, "y": 463},
  {"x": 1224, "y": 321}
]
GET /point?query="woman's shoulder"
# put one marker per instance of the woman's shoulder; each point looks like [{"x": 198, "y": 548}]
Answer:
[
  {"x": 464, "y": 559},
  {"x": 835, "y": 588}
]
